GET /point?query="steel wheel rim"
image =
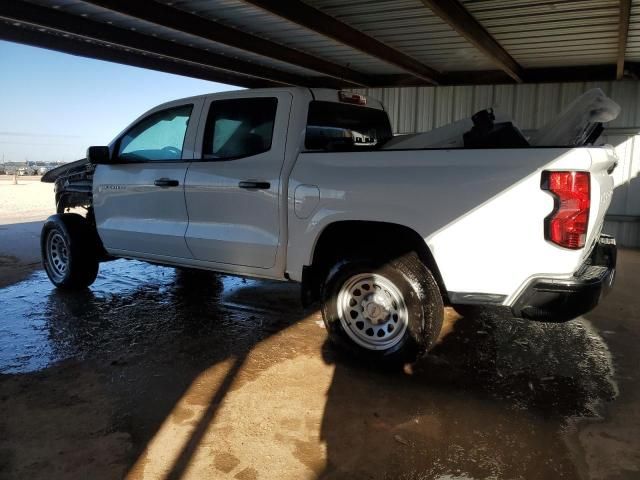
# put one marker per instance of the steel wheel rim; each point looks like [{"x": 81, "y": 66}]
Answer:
[
  {"x": 372, "y": 311},
  {"x": 57, "y": 255}
]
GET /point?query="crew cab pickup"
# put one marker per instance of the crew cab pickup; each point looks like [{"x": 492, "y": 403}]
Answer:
[{"x": 311, "y": 186}]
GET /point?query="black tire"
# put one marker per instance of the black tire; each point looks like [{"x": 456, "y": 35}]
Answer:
[
  {"x": 76, "y": 248},
  {"x": 420, "y": 293}
]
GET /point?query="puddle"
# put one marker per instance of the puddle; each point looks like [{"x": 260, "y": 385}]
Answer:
[{"x": 130, "y": 303}]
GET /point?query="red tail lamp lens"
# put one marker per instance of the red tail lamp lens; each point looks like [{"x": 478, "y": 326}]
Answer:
[{"x": 568, "y": 223}]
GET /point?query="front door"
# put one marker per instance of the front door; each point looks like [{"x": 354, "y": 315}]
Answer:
[
  {"x": 139, "y": 200},
  {"x": 233, "y": 191}
]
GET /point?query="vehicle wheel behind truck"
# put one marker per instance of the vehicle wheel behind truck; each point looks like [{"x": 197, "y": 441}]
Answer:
[
  {"x": 391, "y": 312},
  {"x": 69, "y": 253}
]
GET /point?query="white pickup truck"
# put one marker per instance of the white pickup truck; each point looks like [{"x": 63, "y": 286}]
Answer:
[{"x": 309, "y": 185}]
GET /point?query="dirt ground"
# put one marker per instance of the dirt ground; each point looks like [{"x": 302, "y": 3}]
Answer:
[
  {"x": 29, "y": 200},
  {"x": 23, "y": 207},
  {"x": 161, "y": 373}
]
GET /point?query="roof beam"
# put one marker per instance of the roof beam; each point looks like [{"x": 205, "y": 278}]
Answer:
[
  {"x": 580, "y": 73},
  {"x": 58, "y": 43},
  {"x": 53, "y": 19},
  {"x": 192, "y": 24},
  {"x": 459, "y": 18},
  {"x": 623, "y": 33},
  {"x": 313, "y": 19}
]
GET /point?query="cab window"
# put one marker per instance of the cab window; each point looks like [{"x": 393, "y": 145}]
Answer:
[
  {"x": 335, "y": 126},
  {"x": 159, "y": 137},
  {"x": 239, "y": 128}
]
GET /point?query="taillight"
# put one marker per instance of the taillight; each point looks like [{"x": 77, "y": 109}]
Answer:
[{"x": 567, "y": 224}]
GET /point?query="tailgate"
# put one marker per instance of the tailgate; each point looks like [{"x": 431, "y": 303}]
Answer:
[{"x": 603, "y": 162}]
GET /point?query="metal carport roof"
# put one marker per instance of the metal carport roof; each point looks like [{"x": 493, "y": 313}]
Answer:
[{"x": 336, "y": 43}]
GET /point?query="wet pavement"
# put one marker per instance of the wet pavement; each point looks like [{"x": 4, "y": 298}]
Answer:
[
  {"x": 131, "y": 304},
  {"x": 157, "y": 372},
  {"x": 19, "y": 250}
]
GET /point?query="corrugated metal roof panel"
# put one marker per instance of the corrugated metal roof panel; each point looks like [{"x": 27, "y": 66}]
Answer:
[
  {"x": 409, "y": 26},
  {"x": 545, "y": 33},
  {"x": 259, "y": 22},
  {"x": 633, "y": 42},
  {"x": 99, "y": 14},
  {"x": 140, "y": 58},
  {"x": 552, "y": 33}
]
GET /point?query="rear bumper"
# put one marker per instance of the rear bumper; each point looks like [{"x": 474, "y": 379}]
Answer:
[{"x": 559, "y": 300}]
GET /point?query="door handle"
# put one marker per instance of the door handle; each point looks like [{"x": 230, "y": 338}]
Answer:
[
  {"x": 254, "y": 185},
  {"x": 166, "y": 182}
]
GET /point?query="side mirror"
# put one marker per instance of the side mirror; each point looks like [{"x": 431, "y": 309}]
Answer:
[{"x": 99, "y": 155}]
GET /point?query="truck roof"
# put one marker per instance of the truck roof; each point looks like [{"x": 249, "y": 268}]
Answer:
[{"x": 321, "y": 94}]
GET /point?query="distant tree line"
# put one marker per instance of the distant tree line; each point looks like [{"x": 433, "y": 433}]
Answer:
[{"x": 27, "y": 168}]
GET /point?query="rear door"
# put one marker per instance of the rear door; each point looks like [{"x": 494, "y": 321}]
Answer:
[
  {"x": 232, "y": 191},
  {"x": 139, "y": 201}
]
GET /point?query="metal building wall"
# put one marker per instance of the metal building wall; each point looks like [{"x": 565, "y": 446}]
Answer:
[{"x": 416, "y": 109}]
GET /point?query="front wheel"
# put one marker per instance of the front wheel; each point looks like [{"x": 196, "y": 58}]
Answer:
[
  {"x": 390, "y": 312},
  {"x": 69, "y": 253}
]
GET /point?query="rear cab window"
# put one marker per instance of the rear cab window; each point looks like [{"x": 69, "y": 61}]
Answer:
[{"x": 333, "y": 126}]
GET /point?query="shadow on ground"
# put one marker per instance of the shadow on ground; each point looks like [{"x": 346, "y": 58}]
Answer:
[{"x": 19, "y": 251}]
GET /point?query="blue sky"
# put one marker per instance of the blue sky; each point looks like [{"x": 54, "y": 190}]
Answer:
[{"x": 56, "y": 105}]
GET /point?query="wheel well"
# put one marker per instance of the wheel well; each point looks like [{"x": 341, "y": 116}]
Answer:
[
  {"x": 380, "y": 240},
  {"x": 74, "y": 188}
]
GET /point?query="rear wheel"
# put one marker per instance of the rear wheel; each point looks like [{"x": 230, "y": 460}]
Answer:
[
  {"x": 391, "y": 312},
  {"x": 69, "y": 251}
]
